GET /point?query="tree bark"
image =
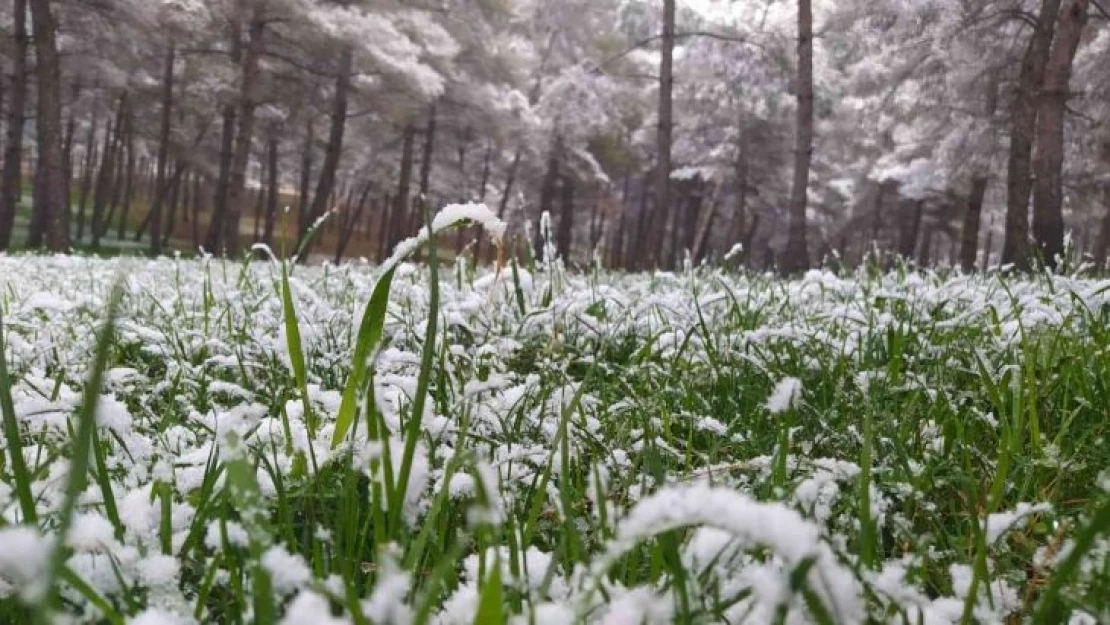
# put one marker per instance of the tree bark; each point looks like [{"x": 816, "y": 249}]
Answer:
[
  {"x": 663, "y": 132},
  {"x": 54, "y": 209},
  {"x": 326, "y": 184},
  {"x": 565, "y": 235},
  {"x": 547, "y": 197},
  {"x": 1048, "y": 159},
  {"x": 213, "y": 240},
  {"x": 969, "y": 234},
  {"x": 11, "y": 179},
  {"x": 163, "y": 148},
  {"x": 1023, "y": 122},
  {"x": 353, "y": 218},
  {"x": 925, "y": 250},
  {"x": 198, "y": 206},
  {"x": 105, "y": 182},
  {"x": 272, "y": 193},
  {"x": 911, "y": 227},
  {"x": 796, "y": 258},
  {"x": 95, "y": 176},
  {"x": 1102, "y": 244},
  {"x": 129, "y": 177},
  {"x": 172, "y": 204},
  {"x": 237, "y": 175},
  {"x": 429, "y": 148},
  {"x": 399, "y": 219}
]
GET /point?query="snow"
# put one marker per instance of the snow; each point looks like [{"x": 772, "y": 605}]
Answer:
[
  {"x": 185, "y": 386},
  {"x": 787, "y": 394}
]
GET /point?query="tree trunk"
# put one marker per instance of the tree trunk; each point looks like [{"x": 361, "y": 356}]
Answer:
[
  {"x": 547, "y": 197},
  {"x": 11, "y": 181},
  {"x": 384, "y": 228},
  {"x": 797, "y": 255},
  {"x": 89, "y": 167},
  {"x": 54, "y": 210},
  {"x": 399, "y": 219},
  {"x": 107, "y": 178},
  {"x": 237, "y": 178},
  {"x": 510, "y": 178},
  {"x": 565, "y": 235},
  {"x": 429, "y": 147},
  {"x": 907, "y": 235},
  {"x": 272, "y": 193},
  {"x": 129, "y": 178},
  {"x": 163, "y": 149},
  {"x": 1048, "y": 159},
  {"x": 303, "y": 221},
  {"x": 481, "y": 198},
  {"x": 969, "y": 234},
  {"x": 95, "y": 179},
  {"x": 213, "y": 241},
  {"x": 1102, "y": 244},
  {"x": 353, "y": 218},
  {"x": 663, "y": 132},
  {"x": 637, "y": 257},
  {"x": 326, "y": 184},
  {"x": 740, "y": 216},
  {"x": 198, "y": 206},
  {"x": 925, "y": 251},
  {"x": 1023, "y": 122},
  {"x": 172, "y": 204}
]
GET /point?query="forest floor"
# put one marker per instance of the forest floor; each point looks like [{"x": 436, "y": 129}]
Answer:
[{"x": 562, "y": 447}]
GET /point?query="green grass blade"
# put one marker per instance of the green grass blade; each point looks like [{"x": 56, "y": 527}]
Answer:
[
  {"x": 412, "y": 428},
  {"x": 369, "y": 335},
  {"x": 13, "y": 437}
]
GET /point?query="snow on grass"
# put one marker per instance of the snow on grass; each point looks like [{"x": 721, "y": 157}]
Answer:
[{"x": 620, "y": 448}]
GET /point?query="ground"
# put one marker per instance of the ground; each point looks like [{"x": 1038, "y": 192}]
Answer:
[{"x": 704, "y": 446}]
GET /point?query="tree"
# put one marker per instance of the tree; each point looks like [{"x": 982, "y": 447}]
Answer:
[
  {"x": 1015, "y": 246},
  {"x": 51, "y": 221},
  {"x": 665, "y": 126},
  {"x": 1048, "y": 160},
  {"x": 796, "y": 257},
  {"x": 10, "y": 178}
]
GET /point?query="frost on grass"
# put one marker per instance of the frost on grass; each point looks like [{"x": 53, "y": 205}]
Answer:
[{"x": 611, "y": 443}]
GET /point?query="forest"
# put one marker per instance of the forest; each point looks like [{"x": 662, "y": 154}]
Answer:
[{"x": 766, "y": 133}]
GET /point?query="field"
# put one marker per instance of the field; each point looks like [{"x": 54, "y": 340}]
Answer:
[{"x": 537, "y": 445}]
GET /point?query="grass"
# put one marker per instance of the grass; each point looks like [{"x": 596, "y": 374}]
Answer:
[{"x": 479, "y": 446}]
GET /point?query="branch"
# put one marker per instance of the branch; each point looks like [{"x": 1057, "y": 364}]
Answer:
[
  {"x": 679, "y": 35},
  {"x": 1100, "y": 9}
]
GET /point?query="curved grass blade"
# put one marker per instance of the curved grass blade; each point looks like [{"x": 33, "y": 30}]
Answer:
[{"x": 369, "y": 335}]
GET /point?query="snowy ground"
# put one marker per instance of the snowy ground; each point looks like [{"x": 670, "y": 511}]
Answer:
[{"x": 700, "y": 447}]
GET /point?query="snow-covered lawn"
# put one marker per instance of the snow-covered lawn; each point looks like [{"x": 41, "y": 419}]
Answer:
[{"x": 700, "y": 447}]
